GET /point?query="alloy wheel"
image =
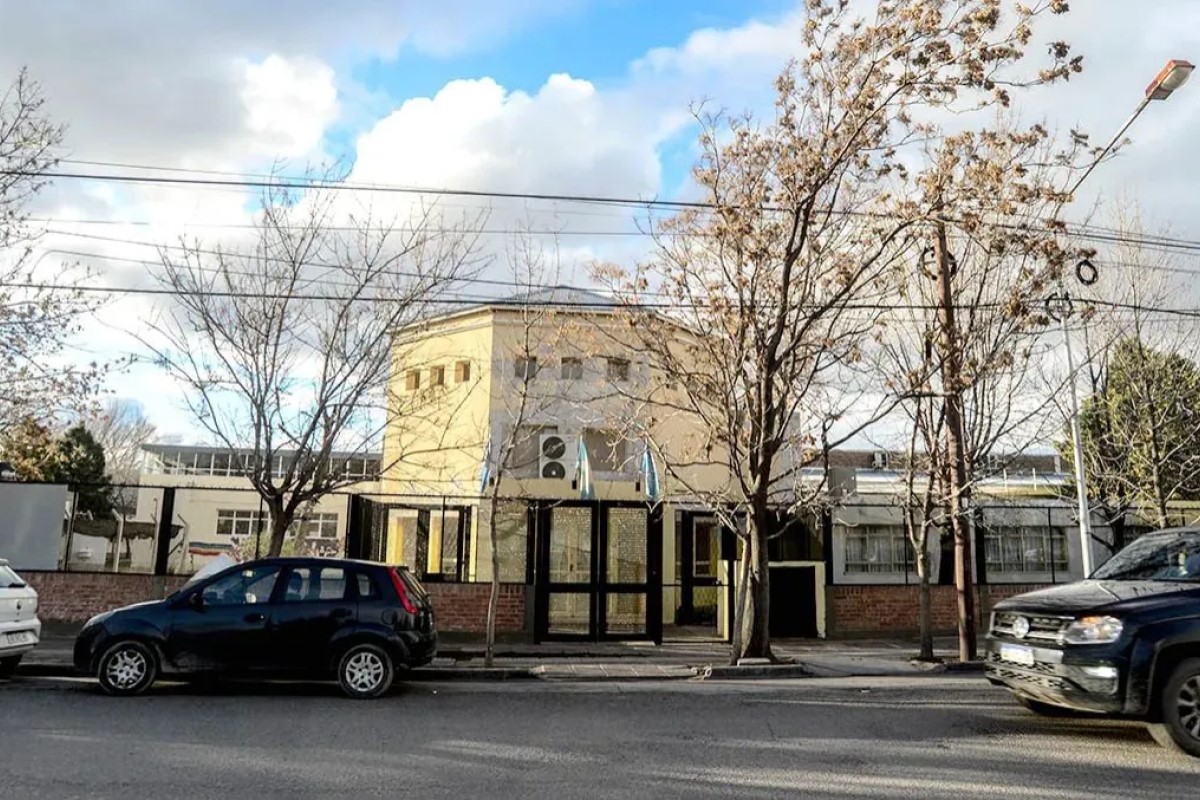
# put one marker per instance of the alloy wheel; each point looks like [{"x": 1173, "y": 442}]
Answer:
[
  {"x": 126, "y": 668},
  {"x": 1188, "y": 706},
  {"x": 365, "y": 671}
]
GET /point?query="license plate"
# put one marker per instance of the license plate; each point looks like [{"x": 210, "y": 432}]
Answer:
[
  {"x": 22, "y": 637},
  {"x": 1016, "y": 654}
]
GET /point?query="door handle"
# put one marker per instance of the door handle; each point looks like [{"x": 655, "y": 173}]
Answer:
[{"x": 255, "y": 617}]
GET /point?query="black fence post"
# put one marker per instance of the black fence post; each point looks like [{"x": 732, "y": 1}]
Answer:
[
  {"x": 166, "y": 516},
  {"x": 354, "y": 527}
]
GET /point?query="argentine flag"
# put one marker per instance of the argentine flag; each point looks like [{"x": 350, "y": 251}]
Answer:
[
  {"x": 583, "y": 473},
  {"x": 649, "y": 473},
  {"x": 485, "y": 467}
]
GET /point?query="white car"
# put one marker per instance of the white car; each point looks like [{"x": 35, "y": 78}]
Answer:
[{"x": 20, "y": 628}]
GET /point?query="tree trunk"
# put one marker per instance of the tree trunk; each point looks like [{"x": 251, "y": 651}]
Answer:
[
  {"x": 925, "y": 602},
  {"x": 489, "y": 652},
  {"x": 281, "y": 520},
  {"x": 955, "y": 452},
  {"x": 753, "y": 638}
]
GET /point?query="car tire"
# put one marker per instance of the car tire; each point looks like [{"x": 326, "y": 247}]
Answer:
[
  {"x": 1045, "y": 709},
  {"x": 365, "y": 671},
  {"x": 1179, "y": 710},
  {"x": 127, "y": 668},
  {"x": 8, "y": 666}
]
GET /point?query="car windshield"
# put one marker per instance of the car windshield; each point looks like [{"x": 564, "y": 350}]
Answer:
[
  {"x": 10, "y": 579},
  {"x": 1173, "y": 556}
]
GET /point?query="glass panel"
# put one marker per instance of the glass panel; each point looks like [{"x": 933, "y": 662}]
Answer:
[
  {"x": 707, "y": 551},
  {"x": 569, "y": 613},
  {"x": 570, "y": 545},
  {"x": 625, "y": 613},
  {"x": 627, "y": 545}
]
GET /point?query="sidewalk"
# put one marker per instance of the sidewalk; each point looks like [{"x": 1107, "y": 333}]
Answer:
[{"x": 613, "y": 661}]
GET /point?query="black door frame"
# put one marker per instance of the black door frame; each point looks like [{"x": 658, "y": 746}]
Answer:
[
  {"x": 597, "y": 587},
  {"x": 687, "y": 560}
]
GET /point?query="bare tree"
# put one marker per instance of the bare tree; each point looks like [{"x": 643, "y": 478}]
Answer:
[
  {"x": 779, "y": 277},
  {"x": 523, "y": 397},
  {"x": 122, "y": 429},
  {"x": 39, "y": 314},
  {"x": 285, "y": 345}
]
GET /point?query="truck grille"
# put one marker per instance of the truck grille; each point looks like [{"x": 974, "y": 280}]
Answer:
[
  {"x": 1042, "y": 627},
  {"x": 1020, "y": 675},
  {"x": 994, "y": 661}
]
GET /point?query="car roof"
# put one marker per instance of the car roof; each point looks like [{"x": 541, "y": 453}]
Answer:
[
  {"x": 288, "y": 560},
  {"x": 1193, "y": 529}
]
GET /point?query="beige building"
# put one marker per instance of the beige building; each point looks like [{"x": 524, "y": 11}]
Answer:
[{"x": 216, "y": 509}]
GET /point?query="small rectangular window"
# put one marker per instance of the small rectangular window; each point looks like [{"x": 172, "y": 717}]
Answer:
[
  {"x": 462, "y": 372},
  {"x": 437, "y": 376},
  {"x": 618, "y": 369},
  {"x": 525, "y": 368},
  {"x": 412, "y": 380},
  {"x": 572, "y": 369}
]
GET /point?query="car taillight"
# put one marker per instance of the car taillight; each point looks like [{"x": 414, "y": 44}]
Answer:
[{"x": 402, "y": 592}]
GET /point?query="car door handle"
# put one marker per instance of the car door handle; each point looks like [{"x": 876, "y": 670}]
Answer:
[{"x": 255, "y": 617}]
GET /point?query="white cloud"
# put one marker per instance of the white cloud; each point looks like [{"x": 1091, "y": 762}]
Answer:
[{"x": 289, "y": 104}]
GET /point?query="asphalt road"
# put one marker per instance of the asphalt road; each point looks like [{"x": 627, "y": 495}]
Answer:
[{"x": 921, "y": 737}]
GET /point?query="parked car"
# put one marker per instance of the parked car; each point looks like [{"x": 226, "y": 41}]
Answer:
[
  {"x": 1125, "y": 643},
  {"x": 356, "y": 621},
  {"x": 20, "y": 628}
]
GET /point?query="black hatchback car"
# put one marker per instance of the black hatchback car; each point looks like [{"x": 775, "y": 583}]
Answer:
[
  {"x": 1125, "y": 643},
  {"x": 357, "y": 621}
]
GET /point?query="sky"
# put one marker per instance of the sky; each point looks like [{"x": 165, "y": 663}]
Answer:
[{"x": 547, "y": 96}]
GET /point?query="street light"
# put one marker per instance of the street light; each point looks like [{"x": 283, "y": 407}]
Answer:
[{"x": 1170, "y": 78}]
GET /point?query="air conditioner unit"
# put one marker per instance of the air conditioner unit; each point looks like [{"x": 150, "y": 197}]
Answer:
[
  {"x": 556, "y": 455},
  {"x": 879, "y": 459}
]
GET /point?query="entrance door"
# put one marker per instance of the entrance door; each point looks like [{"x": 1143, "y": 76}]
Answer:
[
  {"x": 793, "y": 602},
  {"x": 698, "y": 545},
  {"x": 599, "y": 572}
]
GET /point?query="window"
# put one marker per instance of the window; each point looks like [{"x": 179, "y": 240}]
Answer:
[
  {"x": 877, "y": 548},
  {"x": 312, "y": 584},
  {"x": 606, "y": 450},
  {"x": 462, "y": 372},
  {"x": 240, "y": 524},
  {"x": 618, "y": 369},
  {"x": 1012, "y": 548},
  {"x": 367, "y": 590},
  {"x": 243, "y": 587},
  {"x": 412, "y": 380},
  {"x": 221, "y": 464},
  {"x": 525, "y": 368},
  {"x": 437, "y": 376},
  {"x": 707, "y": 548},
  {"x": 319, "y": 526},
  {"x": 572, "y": 369}
]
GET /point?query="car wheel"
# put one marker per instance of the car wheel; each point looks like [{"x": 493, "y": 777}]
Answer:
[
  {"x": 127, "y": 668},
  {"x": 365, "y": 671},
  {"x": 8, "y": 666},
  {"x": 1044, "y": 709},
  {"x": 1179, "y": 707}
]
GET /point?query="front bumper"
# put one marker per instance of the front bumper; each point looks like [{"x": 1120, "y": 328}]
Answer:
[{"x": 1060, "y": 679}]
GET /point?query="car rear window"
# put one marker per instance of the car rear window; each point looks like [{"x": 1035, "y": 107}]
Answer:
[{"x": 10, "y": 579}]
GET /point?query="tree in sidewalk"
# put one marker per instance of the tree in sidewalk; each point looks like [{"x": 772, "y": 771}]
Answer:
[
  {"x": 285, "y": 344},
  {"x": 778, "y": 279},
  {"x": 524, "y": 399},
  {"x": 39, "y": 313}
]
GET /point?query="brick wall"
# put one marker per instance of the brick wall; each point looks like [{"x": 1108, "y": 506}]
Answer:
[
  {"x": 462, "y": 607},
  {"x": 892, "y": 610},
  {"x": 75, "y": 596}
]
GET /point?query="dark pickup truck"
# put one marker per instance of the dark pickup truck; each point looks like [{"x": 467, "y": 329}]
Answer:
[{"x": 1124, "y": 643}]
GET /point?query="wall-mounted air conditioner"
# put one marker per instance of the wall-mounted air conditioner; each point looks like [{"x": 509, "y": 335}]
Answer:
[{"x": 556, "y": 456}]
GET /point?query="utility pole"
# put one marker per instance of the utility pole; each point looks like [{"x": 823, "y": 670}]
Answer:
[{"x": 951, "y": 368}]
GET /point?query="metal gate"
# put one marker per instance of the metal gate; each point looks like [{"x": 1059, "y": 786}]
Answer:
[{"x": 598, "y": 572}]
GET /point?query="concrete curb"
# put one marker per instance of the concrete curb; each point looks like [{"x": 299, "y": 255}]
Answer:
[{"x": 753, "y": 672}]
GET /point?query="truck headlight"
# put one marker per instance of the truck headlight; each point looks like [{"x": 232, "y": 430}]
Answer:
[{"x": 1093, "y": 630}]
